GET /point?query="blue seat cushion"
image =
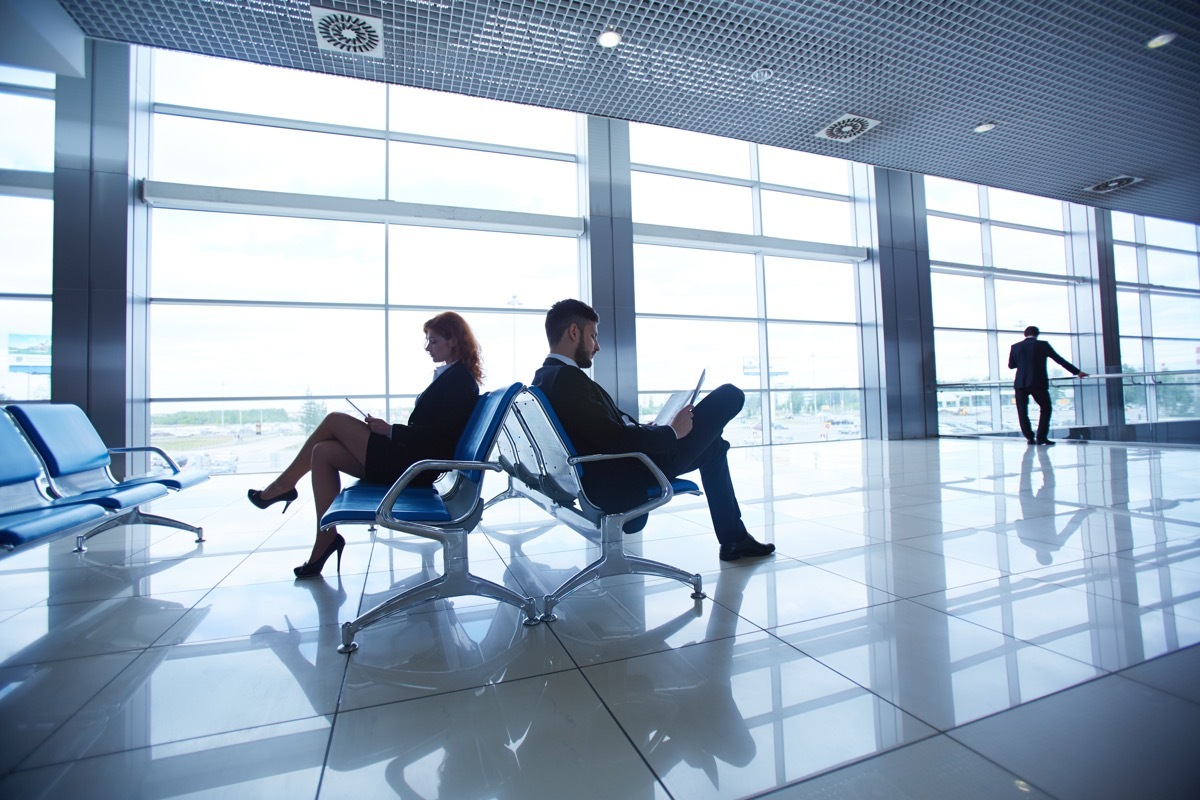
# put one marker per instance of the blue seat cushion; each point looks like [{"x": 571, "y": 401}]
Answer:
[
  {"x": 122, "y": 498},
  {"x": 172, "y": 480},
  {"x": 29, "y": 526},
  {"x": 679, "y": 485},
  {"x": 357, "y": 504}
]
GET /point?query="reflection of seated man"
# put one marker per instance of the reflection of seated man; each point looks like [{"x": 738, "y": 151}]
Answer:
[
  {"x": 1036, "y": 527},
  {"x": 595, "y": 425}
]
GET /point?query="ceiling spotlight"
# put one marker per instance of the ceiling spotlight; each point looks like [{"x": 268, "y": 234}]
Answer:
[
  {"x": 760, "y": 75},
  {"x": 1161, "y": 40},
  {"x": 985, "y": 127},
  {"x": 609, "y": 38}
]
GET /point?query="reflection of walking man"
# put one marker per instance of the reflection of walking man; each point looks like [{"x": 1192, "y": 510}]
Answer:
[
  {"x": 1038, "y": 525},
  {"x": 1028, "y": 358}
]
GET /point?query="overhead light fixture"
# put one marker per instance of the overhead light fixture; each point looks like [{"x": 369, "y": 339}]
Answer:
[
  {"x": 761, "y": 75},
  {"x": 985, "y": 127},
  {"x": 1162, "y": 40},
  {"x": 609, "y": 38}
]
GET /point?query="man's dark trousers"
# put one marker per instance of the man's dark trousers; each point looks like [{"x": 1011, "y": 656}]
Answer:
[
  {"x": 705, "y": 450},
  {"x": 1041, "y": 396}
]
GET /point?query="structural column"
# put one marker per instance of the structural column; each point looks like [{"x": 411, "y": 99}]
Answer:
[
  {"x": 99, "y": 317},
  {"x": 608, "y": 251}
]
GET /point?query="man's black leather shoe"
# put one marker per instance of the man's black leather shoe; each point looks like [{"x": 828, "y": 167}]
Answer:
[
  {"x": 1045, "y": 442},
  {"x": 746, "y": 548}
]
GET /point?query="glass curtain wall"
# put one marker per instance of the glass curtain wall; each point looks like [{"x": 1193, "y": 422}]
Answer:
[
  {"x": 781, "y": 326},
  {"x": 1000, "y": 262},
  {"x": 297, "y": 288},
  {"x": 26, "y": 233},
  {"x": 1158, "y": 302}
]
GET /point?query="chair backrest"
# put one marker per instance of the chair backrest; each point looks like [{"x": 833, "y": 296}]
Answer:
[
  {"x": 63, "y": 436},
  {"x": 544, "y": 428},
  {"x": 480, "y": 434},
  {"x": 18, "y": 463}
]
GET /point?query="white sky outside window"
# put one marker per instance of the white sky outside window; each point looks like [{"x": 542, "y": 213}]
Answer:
[
  {"x": 1169, "y": 233},
  {"x": 455, "y": 116},
  {"x": 686, "y": 203},
  {"x": 671, "y": 353},
  {"x": 461, "y": 268},
  {"x": 810, "y": 219},
  {"x": 810, "y": 290},
  {"x": 943, "y": 194},
  {"x": 697, "y": 152},
  {"x": 1125, "y": 263},
  {"x": 1020, "y": 304},
  {"x": 962, "y": 356},
  {"x": 1025, "y": 209},
  {"x": 1175, "y": 316},
  {"x": 476, "y": 179},
  {"x": 29, "y": 145},
  {"x": 1175, "y": 354},
  {"x": 241, "y": 156},
  {"x": 228, "y": 85},
  {"x": 958, "y": 301},
  {"x": 1131, "y": 354},
  {"x": 210, "y": 255},
  {"x": 26, "y": 245},
  {"x": 224, "y": 351},
  {"x": 1129, "y": 314},
  {"x": 1166, "y": 268},
  {"x": 811, "y": 356},
  {"x": 955, "y": 241},
  {"x": 678, "y": 280},
  {"x": 1029, "y": 251},
  {"x": 803, "y": 170},
  {"x": 1122, "y": 226}
]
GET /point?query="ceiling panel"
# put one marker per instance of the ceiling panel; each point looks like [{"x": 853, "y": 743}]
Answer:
[{"x": 1076, "y": 96}]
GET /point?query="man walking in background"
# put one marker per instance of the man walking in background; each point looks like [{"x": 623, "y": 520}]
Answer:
[{"x": 1028, "y": 358}]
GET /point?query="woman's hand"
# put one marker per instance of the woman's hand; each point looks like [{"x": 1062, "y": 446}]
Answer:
[{"x": 380, "y": 426}]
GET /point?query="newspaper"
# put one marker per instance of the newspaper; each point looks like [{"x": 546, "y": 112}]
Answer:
[{"x": 677, "y": 401}]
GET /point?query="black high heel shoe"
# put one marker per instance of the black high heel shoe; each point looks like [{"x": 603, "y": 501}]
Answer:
[
  {"x": 311, "y": 569},
  {"x": 255, "y": 497}
]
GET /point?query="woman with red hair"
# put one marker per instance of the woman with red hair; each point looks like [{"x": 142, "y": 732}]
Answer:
[{"x": 378, "y": 452}]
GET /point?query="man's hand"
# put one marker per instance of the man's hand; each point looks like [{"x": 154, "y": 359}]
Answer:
[
  {"x": 682, "y": 422},
  {"x": 1081, "y": 374},
  {"x": 379, "y": 426}
]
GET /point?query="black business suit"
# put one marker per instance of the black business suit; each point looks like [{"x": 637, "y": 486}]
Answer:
[
  {"x": 437, "y": 421},
  {"x": 1028, "y": 358},
  {"x": 595, "y": 425}
]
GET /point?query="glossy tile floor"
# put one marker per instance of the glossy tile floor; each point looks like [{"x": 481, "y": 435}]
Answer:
[{"x": 944, "y": 619}]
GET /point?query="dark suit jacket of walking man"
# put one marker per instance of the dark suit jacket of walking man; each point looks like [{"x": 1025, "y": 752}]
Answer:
[{"x": 1028, "y": 358}]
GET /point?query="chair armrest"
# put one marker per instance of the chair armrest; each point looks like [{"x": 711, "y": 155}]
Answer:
[
  {"x": 664, "y": 485},
  {"x": 383, "y": 514},
  {"x": 157, "y": 450}
]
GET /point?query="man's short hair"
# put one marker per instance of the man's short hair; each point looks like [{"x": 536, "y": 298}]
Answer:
[
  {"x": 1032, "y": 330},
  {"x": 565, "y": 313}
]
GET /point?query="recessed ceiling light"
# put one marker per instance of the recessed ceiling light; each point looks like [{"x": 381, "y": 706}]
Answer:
[
  {"x": 609, "y": 38},
  {"x": 1161, "y": 40},
  {"x": 985, "y": 127},
  {"x": 760, "y": 75}
]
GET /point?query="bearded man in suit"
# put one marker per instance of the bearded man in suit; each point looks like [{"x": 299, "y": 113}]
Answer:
[
  {"x": 1028, "y": 358},
  {"x": 595, "y": 425}
]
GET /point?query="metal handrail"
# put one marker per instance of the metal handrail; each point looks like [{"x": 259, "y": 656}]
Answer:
[{"x": 1101, "y": 376}]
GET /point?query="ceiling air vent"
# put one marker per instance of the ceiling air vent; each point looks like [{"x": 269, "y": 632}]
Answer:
[
  {"x": 344, "y": 32},
  {"x": 846, "y": 127},
  {"x": 1111, "y": 185}
]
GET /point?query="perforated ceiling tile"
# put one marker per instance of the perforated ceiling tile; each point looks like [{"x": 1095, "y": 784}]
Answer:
[{"x": 1076, "y": 96}]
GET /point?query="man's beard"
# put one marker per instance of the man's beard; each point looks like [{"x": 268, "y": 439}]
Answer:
[{"x": 582, "y": 357}]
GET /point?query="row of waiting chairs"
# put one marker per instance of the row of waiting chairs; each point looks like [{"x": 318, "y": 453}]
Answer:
[
  {"x": 56, "y": 478},
  {"x": 541, "y": 465}
]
